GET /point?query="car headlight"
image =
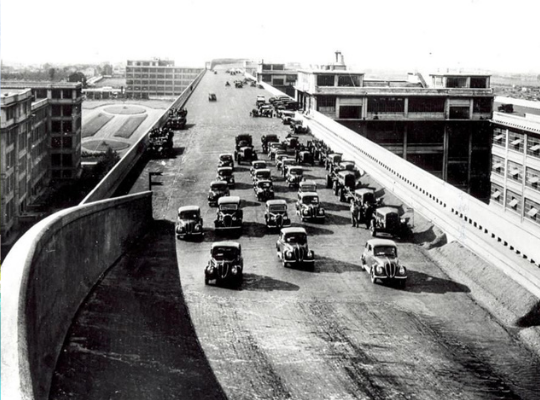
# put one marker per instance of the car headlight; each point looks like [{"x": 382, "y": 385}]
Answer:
[
  {"x": 403, "y": 220},
  {"x": 288, "y": 254},
  {"x": 197, "y": 228},
  {"x": 402, "y": 270},
  {"x": 234, "y": 270},
  {"x": 232, "y": 179},
  {"x": 310, "y": 254},
  {"x": 379, "y": 269},
  {"x": 305, "y": 212},
  {"x": 321, "y": 211},
  {"x": 234, "y": 218}
]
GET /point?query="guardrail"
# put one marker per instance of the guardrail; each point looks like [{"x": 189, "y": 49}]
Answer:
[
  {"x": 464, "y": 218},
  {"x": 47, "y": 275},
  {"x": 108, "y": 185}
]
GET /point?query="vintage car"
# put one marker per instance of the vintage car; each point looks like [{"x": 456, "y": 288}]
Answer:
[
  {"x": 189, "y": 222},
  {"x": 345, "y": 185},
  {"x": 292, "y": 248},
  {"x": 226, "y": 174},
  {"x": 291, "y": 142},
  {"x": 305, "y": 157},
  {"x": 294, "y": 176},
  {"x": 264, "y": 189},
  {"x": 246, "y": 154},
  {"x": 380, "y": 259},
  {"x": 260, "y": 100},
  {"x": 217, "y": 190},
  {"x": 255, "y": 165},
  {"x": 263, "y": 174},
  {"x": 332, "y": 160},
  {"x": 243, "y": 140},
  {"x": 267, "y": 139},
  {"x": 266, "y": 110},
  {"x": 286, "y": 163},
  {"x": 226, "y": 160},
  {"x": 276, "y": 149},
  {"x": 238, "y": 84},
  {"x": 275, "y": 214},
  {"x": 387, "y": 220},
  {"x": 212, "y": 97},
  {"x": 229, "y": 213},
  {"x": 226, "y": 264},
  {"x": 366, "y": 202},
  {"x": 307, "y": 186},
  {"x": 308, "y": 207},
  {"x": 299, "y": 126},
  {"x": 286, "y": 116},
  {"x": 286, "y": 160}
]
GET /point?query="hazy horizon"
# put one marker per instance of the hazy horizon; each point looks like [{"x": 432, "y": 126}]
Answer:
[{"x": 417, "y": 35}]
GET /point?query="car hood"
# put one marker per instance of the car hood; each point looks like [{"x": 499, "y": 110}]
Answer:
[{"x": 382, "y": 259}]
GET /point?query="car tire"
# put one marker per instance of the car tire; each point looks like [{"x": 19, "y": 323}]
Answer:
[
  {"x": 328, "y": 182},
  {"x": 206, "y": 280}
]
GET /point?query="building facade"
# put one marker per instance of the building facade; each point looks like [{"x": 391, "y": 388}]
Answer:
[
  {"x": 65, "y": 100},
  {"x": 515, "y": 168},
  {"x": 278, "y": 76},
  {"x": 441, "y": 126},
  {"x": 157, "y": 78},
  {"x": 24, "y": 147}
]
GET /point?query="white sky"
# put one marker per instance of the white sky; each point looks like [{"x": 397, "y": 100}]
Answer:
[{"x": 393, "y": 34}]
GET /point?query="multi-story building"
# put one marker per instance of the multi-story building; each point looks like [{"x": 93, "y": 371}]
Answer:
[
  {"x": 278, "y": 76},
  {"x": 157, "y": 78},
  {"x": 64, "y": 134},
  {"x": 441, "y": 126},
  {"x": 24, "y": 155},
  {"x": 515, "y": 168}
]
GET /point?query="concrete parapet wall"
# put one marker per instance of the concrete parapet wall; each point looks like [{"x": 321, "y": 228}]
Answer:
[
  {"x": 108, "y": 185},
  {"x": 48, "y": 274},
  {"x": 462, "y": 217}
]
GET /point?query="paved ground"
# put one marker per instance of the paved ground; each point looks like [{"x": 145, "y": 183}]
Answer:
[{"x": 285, "y": 333}]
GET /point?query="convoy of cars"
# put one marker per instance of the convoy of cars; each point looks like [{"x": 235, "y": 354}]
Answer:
[{"x": 226, "y": 264}]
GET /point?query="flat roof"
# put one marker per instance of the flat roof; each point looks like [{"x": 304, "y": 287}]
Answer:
[
  {"x": 40, "y": 85},
  {"x": 331, "y": 71}
]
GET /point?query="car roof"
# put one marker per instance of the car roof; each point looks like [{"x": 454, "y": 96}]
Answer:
[
  {"x": 188, "y": 208},
  {"x": 229, "y": 199},
  {"x": 225, "y": 154},
  {"x": 364, "y": 190},
  {"x": 386, "y": 210},
  {"x": 306, "y": 183},
  {"x": 218, "y": 183},
  {"x": 263, "y": 170},
  {"x": 345, "y": 172},
  {"x": 293, "y": 229},
  {"x": 264, "y": 181},
  {"x": 276, "y": 201},
  {"x": 381, "y": 242},
  {"x": 224, "y": 168},
  {"x": 258, "y": 162},
  {"x": 226, "y": 243},
  {"x": 296, "y": 167},
  {"x": 302, "y": 194}
]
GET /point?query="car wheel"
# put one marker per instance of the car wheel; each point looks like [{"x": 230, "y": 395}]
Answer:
[
  {"x": 328, "y": 182},
  {"x": 206, "y": 280}
]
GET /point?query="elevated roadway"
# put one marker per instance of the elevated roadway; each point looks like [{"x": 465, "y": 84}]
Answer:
[{"x": 152, "y": 329}]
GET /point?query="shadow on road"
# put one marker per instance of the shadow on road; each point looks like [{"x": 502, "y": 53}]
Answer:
[
  {"x": 331, "y": 265},
  {"x": 133, "y": 336},
  {"x": 418, "y": 282},
  {"x": 254, "y": 282}
]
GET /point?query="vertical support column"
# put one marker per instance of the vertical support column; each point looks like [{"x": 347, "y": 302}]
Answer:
[
  {"x": 406, "y": 107},
  {"x": 505, "y": 180},
  {"x": 446, "y": 140},
  {"x": 405, "y": 132},
  {"x": 524, "y": 180},
  {"x": 469, "y": 161}
]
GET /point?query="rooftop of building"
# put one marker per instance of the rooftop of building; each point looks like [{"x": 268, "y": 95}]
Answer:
[{"x": 40, "y": 85}]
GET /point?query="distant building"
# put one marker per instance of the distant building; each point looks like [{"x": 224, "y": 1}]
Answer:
[
  {"x": 441, "y": 126},
  {"x": 24, "y": 153},
  {"x": 64, "y": 138},
  {"x": 278, "y": 76},
  {"x": 515, "y": 167},
  {"x": 157, "y": 78},
  {"x": 250, "y": 67}
]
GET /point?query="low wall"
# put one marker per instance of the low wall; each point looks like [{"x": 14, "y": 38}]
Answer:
[
  {"x": 48, "y": 274},
  {"x": 108, "y": 185},
  {"x": 461, "y": 216}
]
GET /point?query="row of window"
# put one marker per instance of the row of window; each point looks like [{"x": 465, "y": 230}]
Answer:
[
  {"x": 178, "y": 82},
  {"x": 57, "y": 94},
  {"x": 162, "y": 69},
  {"x": 517, "y": 141},
  {"x": 531, "y": 209},
  {"x": 514, "y": 172},
  {"x": 342, "y": 80}
]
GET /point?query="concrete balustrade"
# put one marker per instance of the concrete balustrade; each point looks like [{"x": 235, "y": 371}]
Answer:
[
  {"x": 108, "y": 185},
  {"x": 461, "y": 216},
  {"x": 48, "y": 274}
]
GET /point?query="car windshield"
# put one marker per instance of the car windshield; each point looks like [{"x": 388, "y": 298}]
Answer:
[
  {"x": 277, "y": 207},
  {"x": 309, "y": 188},
  {"x": 310, "y": 200},
  {"x": 226, "y": 157},
  {"x": 189, "y": 215},
  {"x": 225, "y": 172},
  {"x": 218, "y": 187},
  {"x": 385, "y": 251},
  {"x": 265, "y": 185},
  {"x": 229, "y": 207},
  {"x": 263, "y": 174},
  {"x": 224, "y": 253},
  {"x": 295, "y": 171},
  {"x": 369, "y": 198},
  {"x": 296, "y": 238},
  {"x": 259, "y": 165}
]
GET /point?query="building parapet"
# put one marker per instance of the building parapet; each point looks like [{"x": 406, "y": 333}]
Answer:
[
  {"x": 515, "y": 121},
  {"x": 408, "y": 91}
]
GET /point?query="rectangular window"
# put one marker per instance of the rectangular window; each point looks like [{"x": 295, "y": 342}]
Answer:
[
  {"x": 386, "y": 105},
  {"x": 532, "y": 210},
  {"x": 479, "y": 83},
  {"x": 515, "y": 171},
  {"x": 56, "y": 127},
  {"x": 426, "y": 104},
  {"x": 481, "y": 105},
  {"x": 41, "y": 93},
  {"x": 348, "y": 80},
  {"x": 455, "y": 82},
  {"x": 266, "y": 67},
  {"x": 516, "y": 141},
  {"x": 67, "y": 94},
  {"x": 67, "y": 110},
  {"x": 497, "y": 165},
  {"x": 56, "y": 142},
  {"x": 67, "y": 160},
  {"x": 513, "y": 201},
  {"x": 533, "y": 146},
  {"x": 290, "y": 78},
  {"x": 499, "y": 137},
  {"x": 496, "y": 193},
  {"x": 325, "y": 80},
  {"x": 278, "y": 82},
  {"x": 56, "y": 110},
  {"x": 532, "y": 178},
  {"x": 459, "y": 113},
  {"x": 56, "y": 94},
  {"x": 56, "y": 160},
  {"x": 326, "y": 104},
  {"x": 351, "y": 112}
]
